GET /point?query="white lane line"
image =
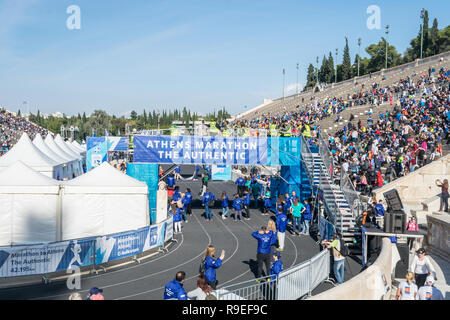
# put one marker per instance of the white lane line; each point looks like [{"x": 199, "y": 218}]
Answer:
[{"x": 190, "y": 278}]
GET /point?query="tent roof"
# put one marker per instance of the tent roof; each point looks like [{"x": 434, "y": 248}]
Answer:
[
  {"x": 40, "y": 144},
  {"x": 60, "y": 143},
  {"x": 105, "y": 179},
  {"x": 24, "y": 150},
  {"x": 19, "y": 178},
  {"x": 55, "y": 148},
  {"x": 82, "y": 148},
  {"x": 73, "y": 148}
]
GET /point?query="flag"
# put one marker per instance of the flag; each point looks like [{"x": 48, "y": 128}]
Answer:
[
  {"x": 93, "y": 132},
  {"x": 106, "y": 133}
]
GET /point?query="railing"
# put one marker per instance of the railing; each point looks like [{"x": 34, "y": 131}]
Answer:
[
  {"x": 291, "y": 284},
  {"x": 351, "y": 195}
]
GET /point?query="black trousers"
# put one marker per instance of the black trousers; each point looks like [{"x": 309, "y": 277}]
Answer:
[
  {"x": 420, "y": 279},
  {"x": 188, "y": 209},
  {"x": 263, "y": 258},
  {"x": 213, "y": 285},
  {"x": 247, "y": 212}
]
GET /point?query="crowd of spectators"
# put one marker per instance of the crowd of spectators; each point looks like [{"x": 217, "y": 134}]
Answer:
[{"x": 12, "y": 127}]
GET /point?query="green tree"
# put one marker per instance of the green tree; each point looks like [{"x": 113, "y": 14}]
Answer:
[
  {"x": 323, "y": 69},
  {"x": 310, "y": 77},
  {"x": 444, "y": 40},
  {"x": 329, "y": 77},
  {"x": 377, "y": 54},
  {"x": 434, "y": 44},
  {"x": 346, "y": 63},
  {"x": 133, "y": 115}
]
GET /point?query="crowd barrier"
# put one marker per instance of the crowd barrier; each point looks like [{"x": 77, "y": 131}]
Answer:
[
  {"x": 291, "y": 284},
  {"x": 42, "y": 259}
]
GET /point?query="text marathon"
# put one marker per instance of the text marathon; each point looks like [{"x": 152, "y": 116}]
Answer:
[{"x": 200, "y": 150}]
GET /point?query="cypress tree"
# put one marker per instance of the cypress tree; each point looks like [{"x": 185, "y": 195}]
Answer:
[{"x": 346, "y": 72}]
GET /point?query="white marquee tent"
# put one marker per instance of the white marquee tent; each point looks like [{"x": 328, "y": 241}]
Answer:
[
  {"x": 29, "y": 207},
  {"x": 40, "y": 144},
  {"x": 24, "y": 150},
  {"x": 71, "y": 161},
  {"x": 81, "y": 148},
  {"x": 60, "y": 143},
  {"x": 103, "y": 201}
]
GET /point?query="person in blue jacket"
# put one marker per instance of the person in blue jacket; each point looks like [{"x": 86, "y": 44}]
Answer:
[
  {"x": 264, "y": 238},
  {"x": 281, "y": 223},
  {"x": 174, "y": 289},
  {"x": 197, "y": 169},
  {"x": 247, "y": 204},
  {"x": 240, "y": 183},
  {"x": 267, "y": 203},
  {"x": 277, "y": 265},
  {"x": 306, "y": 216},
  {"x": 287, "y": 207},
  {"x": 177, "y": 213},
  {"x": 176, "y": 194},
  {"x": 177, "y": 173},
  {"x": 238, "y": 204},
  {"x": 211, "y": 265},
  {"x": 225, "y": 205},
  {"x": 379, "y": 208},
  {"x": 170, "y": 181},
  {"x": 207, "y": 198},
  {"x": 188, "y": 201}
]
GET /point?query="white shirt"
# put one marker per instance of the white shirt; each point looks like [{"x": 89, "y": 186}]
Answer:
[
  {"x": 422, "y": 267},
  {"x": 408, "y": 291},
  {"x": 197, "y": 294},
  {"x": 429, "y": 293}
]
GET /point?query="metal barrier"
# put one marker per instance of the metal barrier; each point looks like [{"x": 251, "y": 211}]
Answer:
[{"x": 291, "y": 284}]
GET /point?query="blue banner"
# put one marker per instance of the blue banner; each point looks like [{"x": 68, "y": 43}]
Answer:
[
  {"x": 200, "y": 150},
  {"x": 96, "y": 152}
]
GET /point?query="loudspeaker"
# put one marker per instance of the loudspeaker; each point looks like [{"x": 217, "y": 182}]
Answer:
[
  {"x": 393, "y": 201},
  {"x": 401, "y": 268},
  {"x": 395, "y": 222}
]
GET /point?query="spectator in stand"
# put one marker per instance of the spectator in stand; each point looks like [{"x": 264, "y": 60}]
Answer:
[
  {"x": 225, "y": 205},
  {"x": 411, "y": 226},
  {"x": 211, "y": 265},
  {"x": 174, "y": 290},
  {"x": 444, "y": 194},
  {"x": 264, "y": 238},
  {"x": 429, "y": 291},
  {"x": 238, "y": 204},
  {"x": 422, "y": 267},
  {"x": 203, "y": 289},
  {"x": 407, "y": 290}
]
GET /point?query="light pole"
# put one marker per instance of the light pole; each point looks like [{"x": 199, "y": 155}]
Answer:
[
  {"x": 284, "y": 75},
  {"x": 335, "y": 70},
  {"x": 359, "y": 53},
  {"x": 317, "y": 68},
  {"x": 158, "y": 113},
  {"x": 297, "y": 77},
  {"x": 387, "y": 32},
  {"x": 422, "y": 16}
]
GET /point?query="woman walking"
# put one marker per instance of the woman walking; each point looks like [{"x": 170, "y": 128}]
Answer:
[
  {"x": 211, "y": 264},
  {"x": 422, "y": 267},
  {"x": 444, "y": 194}
]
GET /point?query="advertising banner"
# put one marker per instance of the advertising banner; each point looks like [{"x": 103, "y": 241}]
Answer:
[
  {"x": 96, "y": 152},
  {"x": 221, "y": 173},
  {"x": 200, "y": 150},
  {"x": 60, "y": 256}
]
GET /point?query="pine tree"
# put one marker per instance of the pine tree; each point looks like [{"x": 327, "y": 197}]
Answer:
[
  {"x": 426, "y": 37},
  {"x": 323, "y": 69},
  {"x": 434, "y": 44},
  {"x": 311, "y": 76},
  {"x": 346, "y": 63},
  {"x": 330, "y": 70}
]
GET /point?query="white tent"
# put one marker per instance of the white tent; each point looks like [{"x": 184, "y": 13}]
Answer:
[
  {"x": 103, "y": 201},
  {"x": 73, "y": 148},
  {"x": 24, "y": 150},
  {"x": 60, "y": 143},
  {"x": 40, "y": 144},
  {"x": 29, "y": 206},
  {"x": 71, "y": 161},
  {"x": 80, "y": 147}
]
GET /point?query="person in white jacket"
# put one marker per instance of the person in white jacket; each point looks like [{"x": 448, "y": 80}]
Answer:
[
  {"x": 203, "y": 290},
  {"x": 421, "y": 267},
  {"x": 429, "y": 292}
]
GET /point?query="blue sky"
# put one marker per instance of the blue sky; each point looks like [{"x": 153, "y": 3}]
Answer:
[{"x": 202, "y": 54}]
